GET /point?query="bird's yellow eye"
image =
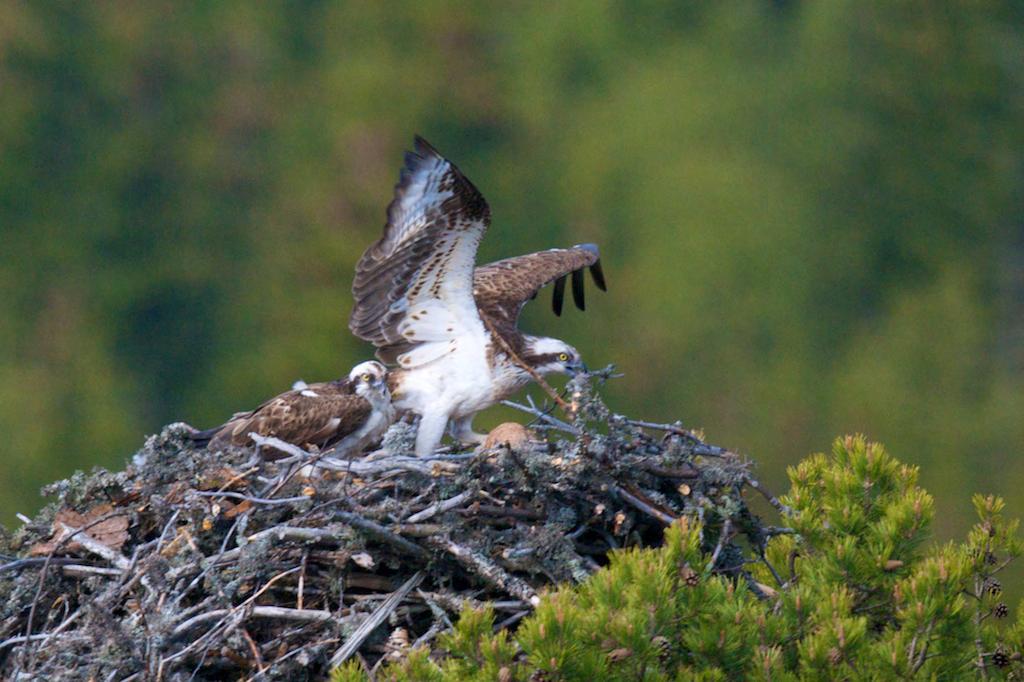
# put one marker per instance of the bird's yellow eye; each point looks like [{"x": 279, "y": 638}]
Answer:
[
  {"x": 366, "y": 378},
  {"x": 563, "y": 357}
]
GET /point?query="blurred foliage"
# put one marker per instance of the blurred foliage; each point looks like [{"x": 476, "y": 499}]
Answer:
[{"x": 811, "y": 214}]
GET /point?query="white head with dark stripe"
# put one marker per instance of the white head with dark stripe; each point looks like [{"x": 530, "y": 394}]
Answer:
[
  {"x": 369, "y": 380},
  {"x": 545, "y": 355}
]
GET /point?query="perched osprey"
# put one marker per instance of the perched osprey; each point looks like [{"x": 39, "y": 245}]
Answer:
[
  {"x": 351, "y": 413},
  {"x": 450, "y": 326}
]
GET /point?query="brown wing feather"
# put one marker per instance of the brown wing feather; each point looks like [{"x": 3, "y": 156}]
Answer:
[
  {"x": 503, "y": 288},
  {"x": 425, "y": 257},
  {"x": 333, "y": 413}
]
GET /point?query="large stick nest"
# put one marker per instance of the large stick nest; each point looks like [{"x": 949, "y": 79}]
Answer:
[{"x": 274, "y": 563}]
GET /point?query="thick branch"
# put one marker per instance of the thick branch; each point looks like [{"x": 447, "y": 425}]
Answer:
[{"x": 357, "y": 638}]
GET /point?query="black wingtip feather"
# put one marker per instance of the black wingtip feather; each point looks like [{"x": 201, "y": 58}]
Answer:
[
  {"x": 424, "y": 148},
  {"x": 595, "y": 270},
  {"x": 558, "y": 296},
  {"x": 598, "y": 275},
  {"x": 577, "y": 289},
  {"x": 421, "y": 152},
  {"x": 203, "y": 437}
]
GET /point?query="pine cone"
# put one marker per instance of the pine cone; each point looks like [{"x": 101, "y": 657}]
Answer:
[
  {"x": 993, "y": 586},
  {"x": 661, "y": 643},
  {"x": 689, "y": 576},
  {"x": 1001, "y": 658},
  {"x": 1001, "y": 610}
]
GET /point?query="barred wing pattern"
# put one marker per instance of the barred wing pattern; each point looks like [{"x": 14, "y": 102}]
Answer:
[
  {"x": 413, "y": 288},
  {"x": 320, "y": 414}
]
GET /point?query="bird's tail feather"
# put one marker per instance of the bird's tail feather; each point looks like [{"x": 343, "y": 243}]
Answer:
[{"x": 204, "y": 437}]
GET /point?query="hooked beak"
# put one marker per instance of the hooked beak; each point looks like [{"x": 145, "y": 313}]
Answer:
[{"x": 576, "y": 368}]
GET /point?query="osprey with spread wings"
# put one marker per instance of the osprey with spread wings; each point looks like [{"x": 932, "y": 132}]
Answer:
[{"x": 451, "y": 327}]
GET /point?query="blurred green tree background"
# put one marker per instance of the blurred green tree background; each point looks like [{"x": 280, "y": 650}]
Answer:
[{"x": 811, "y": 214}]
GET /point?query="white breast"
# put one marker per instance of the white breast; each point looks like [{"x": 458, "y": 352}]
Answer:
[{"x": 459, "y": 383}]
